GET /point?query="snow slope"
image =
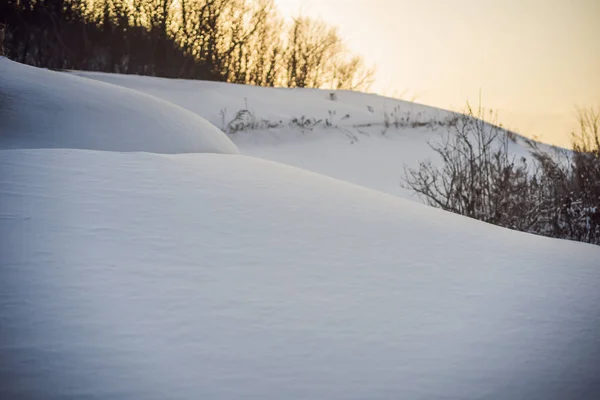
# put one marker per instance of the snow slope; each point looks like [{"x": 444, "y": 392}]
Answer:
[
  {"x": 145, "y": 276},
  {"x": 357, "y": 146},
  {"x": 140, "y": 274},
  {"x": 40, "y": 109},
  {"x": 208, "y": 99}
]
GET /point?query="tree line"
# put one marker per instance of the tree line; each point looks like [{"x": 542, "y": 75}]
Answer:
[{"x": 239, "y": 41}]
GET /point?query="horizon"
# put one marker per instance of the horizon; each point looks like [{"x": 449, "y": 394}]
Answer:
[{"x": 447, "y": 54}]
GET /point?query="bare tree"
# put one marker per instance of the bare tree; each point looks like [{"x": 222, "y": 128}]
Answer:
[
  {"x": 476, "y": 170},
  {"x": 265, "y": 48},
  {"x": 351, "y": 74},
  {"x": 246, "y": 20},
  {"x": 586, "y": 147},
  {"x": 556, "y": 193},
  {"x": 572, "y": 182},
  {"x": 311, "y": 45},
  {"x": 2, "y": 33}
]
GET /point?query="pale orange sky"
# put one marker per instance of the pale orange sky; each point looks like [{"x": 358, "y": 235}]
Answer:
[{"x": 534, "y": 60}]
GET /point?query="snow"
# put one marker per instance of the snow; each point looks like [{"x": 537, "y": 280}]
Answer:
[
  {"x": 359, "y": 149},
  {"x": 210, "y": 98},
  {"x": 213, "y": 276},
  {"x": 41, "y": 109},
  {"x": 147, "y": 275}
]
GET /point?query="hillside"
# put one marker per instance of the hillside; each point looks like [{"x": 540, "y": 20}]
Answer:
[
  {"x": 360, "y": 138},
  {"x": 153, "y": 274}
]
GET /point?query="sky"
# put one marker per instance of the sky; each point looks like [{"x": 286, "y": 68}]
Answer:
[{"x": 533, "y": 61}]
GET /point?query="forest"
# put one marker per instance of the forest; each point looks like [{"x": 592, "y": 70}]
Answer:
[{"x": 238, "y": 41}]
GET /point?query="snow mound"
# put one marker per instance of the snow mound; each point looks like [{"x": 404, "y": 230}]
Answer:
[
  {"x": 147, "y": 276},
  {"x": 46, "y": 109}
]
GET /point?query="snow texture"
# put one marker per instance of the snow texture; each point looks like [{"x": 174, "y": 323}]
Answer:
[
  {"x": 46, "y": 109},
  {"x": 357, "y": 146},
  {"x": 209, "y": 99},
  {"x": 211, "y": 276},
  {"x": 134, "y": 275}
]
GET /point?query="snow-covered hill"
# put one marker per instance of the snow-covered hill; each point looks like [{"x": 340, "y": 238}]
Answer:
[
  {"x": 360, "y": 138},
  {"x": 146, "y": 275}
]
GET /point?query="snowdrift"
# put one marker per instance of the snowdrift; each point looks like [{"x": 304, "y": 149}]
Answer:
[
  {"x": 148, "y": 276},
  {"x": 360, "y": 138},
  {"x": 45, "y": 109}
]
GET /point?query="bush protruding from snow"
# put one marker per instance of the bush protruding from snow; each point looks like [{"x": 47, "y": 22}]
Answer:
[{"x": 45, "y": 109}]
